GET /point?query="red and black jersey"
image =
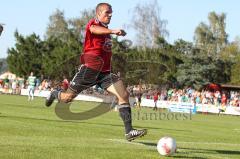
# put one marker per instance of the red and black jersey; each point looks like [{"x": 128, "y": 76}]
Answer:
[
  {"x": 155, "y": 97},
  {"x": 97, "y": 49}
]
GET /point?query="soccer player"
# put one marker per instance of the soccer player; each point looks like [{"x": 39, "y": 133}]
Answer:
[
  {"x": 96, "y": 69},
  {"x": 155, "y": 99},
  {"x": 31, "y": 86},
  {"x": 139, "y": 100},
  {"x": 64, "y": 84}
]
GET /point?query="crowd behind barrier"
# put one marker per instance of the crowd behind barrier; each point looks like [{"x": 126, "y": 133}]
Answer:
[
  {"x": 148, "y": 93},
  {"x": 189, "y": 95}
]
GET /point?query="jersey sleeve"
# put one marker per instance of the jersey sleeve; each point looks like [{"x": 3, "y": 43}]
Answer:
[{"x": 92, "y": 22}]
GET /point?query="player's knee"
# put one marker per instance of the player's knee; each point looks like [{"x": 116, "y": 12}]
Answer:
[{"x": 68, "y": 97}]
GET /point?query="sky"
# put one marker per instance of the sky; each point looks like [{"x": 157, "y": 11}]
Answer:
[{"x": 183, "y": 16}]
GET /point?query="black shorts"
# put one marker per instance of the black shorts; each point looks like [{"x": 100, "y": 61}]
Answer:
[{"x": 87, "y": 77}]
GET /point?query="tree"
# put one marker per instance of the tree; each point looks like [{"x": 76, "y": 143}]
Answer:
[
  {"x": 77, "y": 25},
  {"x": 148, "y": 24},
  {"x": 204, "y": 39},
  {"x": 61, "y": 27},
  {"x": 231, "y": 54},
  {"x": 27, "y": 55},
  {"x": 183, "y": 47},
  {"x": 61, "y": 57},
  {"x": 63, "y": 43},
  {"x": 3, "y": 65},
  {"x": 155, "y": 66},
  {"x": 235, "y": 71},
  {"x": 212, "y": 38},
  {"x": 58, "y": 26},
  {"x": 217, "y": 27},
  {"x": 199, "y": 70}
]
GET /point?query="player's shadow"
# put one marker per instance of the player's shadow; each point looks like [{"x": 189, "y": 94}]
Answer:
[
  {"x": 177, "y": 155},
  {"x": 193, "y": 157},
  {"x": 147, "y": 143},
  {"x": 52, "y": 120},
  {"x": 226, "y": 152},
  {"x": 148, "y": 127},
  {"x": 30, "y": 118},
  {"x": 141, "y": 127},
  {"x": 82, "y": 121},
  {"x": 189, "y": 151}
]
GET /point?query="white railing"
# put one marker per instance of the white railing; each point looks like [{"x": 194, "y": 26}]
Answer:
[{"x": 178, "y": 106}]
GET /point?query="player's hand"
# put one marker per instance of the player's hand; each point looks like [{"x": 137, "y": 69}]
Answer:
[
  {"x": 122, "y": 33},
  {"x": 119, "y": 32}
]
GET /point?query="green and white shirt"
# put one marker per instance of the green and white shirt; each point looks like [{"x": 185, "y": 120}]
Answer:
[{"x": 31, "y": 80}]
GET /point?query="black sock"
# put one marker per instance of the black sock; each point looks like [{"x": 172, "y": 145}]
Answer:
[
  {"x": 56, "y": 94},
  {"x": 125, "y": 113}
]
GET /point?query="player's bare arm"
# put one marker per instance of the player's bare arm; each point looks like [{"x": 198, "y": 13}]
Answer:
[{"x": 102, "y": 30}]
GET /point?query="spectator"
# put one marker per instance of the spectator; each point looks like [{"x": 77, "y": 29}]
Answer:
[
  {"x": 155, "y": 99},
  {"x": 65, "y": 84},
  {"x": 14, "y": 87},
  {"x": 31, "y": 86}
]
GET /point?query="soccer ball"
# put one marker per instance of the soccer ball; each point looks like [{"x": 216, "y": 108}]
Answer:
[{"x": 166, "y": 146}]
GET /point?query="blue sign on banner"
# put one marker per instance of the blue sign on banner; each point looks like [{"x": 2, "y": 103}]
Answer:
[{"x": 182, "y": 107}]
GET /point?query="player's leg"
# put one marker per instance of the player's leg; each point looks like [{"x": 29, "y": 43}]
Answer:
[
  {"x": 29, "y": 93},
  {"x": 62, "y": 96},
  {"x": 121, "y": 93},
  {"x": 139, "y": 104},
  {"x": 119, "y": 90},
  {"x": 65, "y": 97},
  {"x": 155, "y": 106},
  {"x": 32, "y": 93},
  {"x": 82, "y": 80}
]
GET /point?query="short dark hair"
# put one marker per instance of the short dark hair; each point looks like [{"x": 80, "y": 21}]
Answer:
[
  {"x": 1, "y": 29},
  {"x": 98, "y": 7}
]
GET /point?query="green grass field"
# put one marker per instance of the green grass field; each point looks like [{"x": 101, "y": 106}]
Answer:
[{"x": 28, "y": 130}]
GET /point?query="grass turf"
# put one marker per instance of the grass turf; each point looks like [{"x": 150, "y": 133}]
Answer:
[{"x": 28, "y": 130}]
